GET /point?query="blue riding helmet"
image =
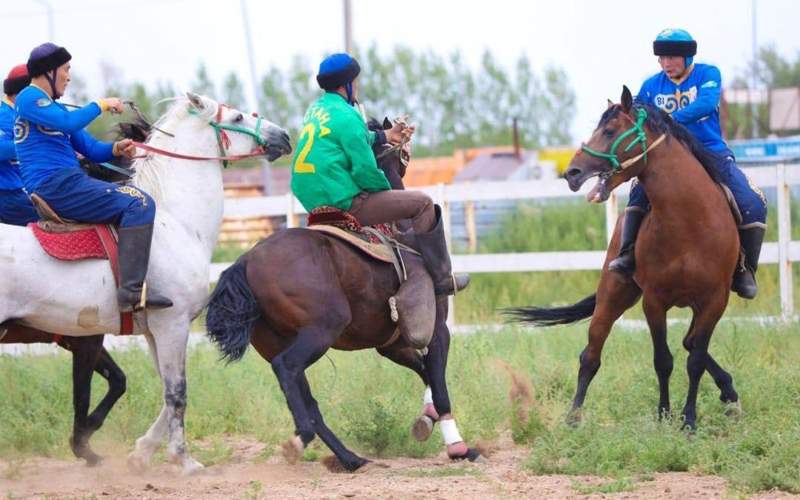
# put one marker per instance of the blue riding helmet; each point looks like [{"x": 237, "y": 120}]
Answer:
[
  {"x": 338, "y": 70},
  {"x": 676, "y": 42}
]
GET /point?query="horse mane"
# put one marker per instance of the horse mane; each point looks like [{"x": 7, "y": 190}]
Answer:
[
  {"x": 148, "y": 168},
  {"x": 661, "y": 122}
]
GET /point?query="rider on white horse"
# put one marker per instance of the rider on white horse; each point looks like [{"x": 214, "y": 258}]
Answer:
[{"x": 47, "y": 136}]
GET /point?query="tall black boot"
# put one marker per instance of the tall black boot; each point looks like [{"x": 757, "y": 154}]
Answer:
[
  {"x": 433, "y": 247},
  {"x": 744, "y": 279},
  {"x": 134, "y": 255},
  {"x": 625, "y": 263}
]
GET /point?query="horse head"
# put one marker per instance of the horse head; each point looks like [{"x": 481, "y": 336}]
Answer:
[
  {"x": 614, "y": 149},
  {"x": 239, "y": 133},
  {"x": 393, "y": 160}
]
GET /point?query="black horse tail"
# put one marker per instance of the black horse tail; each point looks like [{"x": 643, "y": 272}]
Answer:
[
  {"x": 232, "y": 311},
  {"x": 541, "y": 316}
]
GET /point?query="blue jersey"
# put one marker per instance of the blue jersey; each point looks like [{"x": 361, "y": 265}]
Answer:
[
  {"x": 47, "y": 135},
  {"x": 9, "y": 167},
  {"x": 693, "y": 101}
]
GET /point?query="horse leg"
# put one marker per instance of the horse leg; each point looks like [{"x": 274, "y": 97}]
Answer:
[
  {"x": 436, "y": 367},
  {"x": 85, "y": 352},
  {"x": 147, "y": 445},
  {"x": 289, "y": 367},
  {"x": 614, "y": 297},
  {"x": 170, "y": 339},
  {"x": 347, "y": 458},
  {"x": 724, "y": 381},
  {"x": 656, "y": 316},
  {"x": 696, "y": 342},
  {"x": 412, "y": 359},
  {"x": 115, "y": 377}
]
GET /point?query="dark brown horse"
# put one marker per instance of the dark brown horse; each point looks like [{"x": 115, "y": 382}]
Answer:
[
  {"x": 686, "y": 251},
  {"x": 88, "y": 355},
  {"x": 299, "y": 293}
]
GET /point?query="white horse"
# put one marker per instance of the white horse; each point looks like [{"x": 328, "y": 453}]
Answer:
[{"x": 79, "y": 298}]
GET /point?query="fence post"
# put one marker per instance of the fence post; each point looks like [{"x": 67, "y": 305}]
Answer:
[
  {"x": 611, "y": 216},
  {"x": 471, "y": 227},
  {"x": 784, "y": 240},
  {"x": 291, "y": 220}
]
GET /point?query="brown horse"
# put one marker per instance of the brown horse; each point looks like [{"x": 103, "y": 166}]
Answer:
[
  {"x": 88, "y": 355},
  {"x": 299, "y": 293},
  {"x": 686, "y": 251}
]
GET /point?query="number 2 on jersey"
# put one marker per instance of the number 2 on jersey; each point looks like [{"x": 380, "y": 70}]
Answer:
[{"x": 300, "y": 165}]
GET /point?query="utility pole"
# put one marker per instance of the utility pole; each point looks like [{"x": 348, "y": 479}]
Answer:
[
  {"x": 753, "y": 103},
  {"x": 266, "y": 167},
  {"x": 348, "y": 26},
  {"x": 50, "y": 19},
  {"x": 248, "y": 40}
]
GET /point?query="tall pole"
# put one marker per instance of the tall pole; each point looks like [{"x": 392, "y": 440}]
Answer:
[
  {"x": 753, "y": 103},
  {"x": 51, "y": 30},
  {"x": 248, "y": 39},
  {"x": 348, "y": 27}
]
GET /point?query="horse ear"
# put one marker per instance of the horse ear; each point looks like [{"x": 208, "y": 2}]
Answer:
[
  {"x": 386, "y": 123},
  {"x": 626, "y": 99},
  {"x": 610, "y": 104},
  {"x": 196, "y": 100}
]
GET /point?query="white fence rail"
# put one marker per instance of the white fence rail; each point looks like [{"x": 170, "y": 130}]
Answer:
[{"x": 783, "y": 252}]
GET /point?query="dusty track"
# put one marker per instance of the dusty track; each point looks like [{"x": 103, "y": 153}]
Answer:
[{"x": 247, "y": 476}]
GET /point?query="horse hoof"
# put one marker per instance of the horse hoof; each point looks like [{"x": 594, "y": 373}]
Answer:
[
  {"x": 92, "y": 459},
  {"x": 192, "y": 466},
  {"x": 733, "y": 409},
  {"x": 422, "y": 428},
  {"x": 136, "y": 464},
  {"x": 293, "y": 450},
  {"x": 358, "y": 464},
  {"x": 574, "y": 418},
  {"x": 472, "y": 455}
]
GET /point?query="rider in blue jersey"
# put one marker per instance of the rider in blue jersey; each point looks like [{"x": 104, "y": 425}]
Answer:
[
  {"x": 690, "y": 93},
  {"x": 15, "y": 205},
  {"x": 47, "y": 135}
]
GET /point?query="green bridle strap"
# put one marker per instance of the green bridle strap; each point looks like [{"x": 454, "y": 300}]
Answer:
[
  {"x": 219, "y": 129},
  {"x": 641, "y": 138}
]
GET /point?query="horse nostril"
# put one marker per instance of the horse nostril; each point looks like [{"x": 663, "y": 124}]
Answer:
[{"x": 573, "y": 172}]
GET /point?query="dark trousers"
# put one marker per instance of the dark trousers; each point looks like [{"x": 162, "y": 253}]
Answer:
[{"x": 390, "y": 206}]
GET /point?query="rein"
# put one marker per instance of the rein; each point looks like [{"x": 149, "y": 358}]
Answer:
[
  {"x": 223, "y": 141},
  {"x": 641, "y": 138}
]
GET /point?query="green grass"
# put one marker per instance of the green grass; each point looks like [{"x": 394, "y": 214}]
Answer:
[{"x": 371, "y": 403}]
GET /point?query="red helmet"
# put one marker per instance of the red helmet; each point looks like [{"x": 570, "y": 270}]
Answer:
[{"x": 16, "y": 80}]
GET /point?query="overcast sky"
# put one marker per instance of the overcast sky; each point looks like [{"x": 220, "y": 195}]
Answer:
[{"x": 600, "y": 44}]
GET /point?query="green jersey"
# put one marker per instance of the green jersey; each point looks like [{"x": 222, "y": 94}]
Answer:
[{"x": 333, "y": 161}]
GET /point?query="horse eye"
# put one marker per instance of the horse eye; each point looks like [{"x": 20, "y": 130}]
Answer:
[
  {"x": 239, "y": 118},
  {"x": 608, "y": 132}
]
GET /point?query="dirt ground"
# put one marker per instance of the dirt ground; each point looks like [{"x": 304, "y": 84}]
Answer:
[{"x": 246, "y": 476}]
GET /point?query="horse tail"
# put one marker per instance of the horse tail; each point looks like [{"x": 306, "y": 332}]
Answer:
[
  {"x": 232, "y": 311},
  {"x": 541, "y": 316}
]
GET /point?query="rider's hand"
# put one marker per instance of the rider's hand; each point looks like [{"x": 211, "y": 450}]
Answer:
[
  {"x": 115, "y": 104},
  {"x": 400, "y": 132},
  {"x": 124, "y": 148}
]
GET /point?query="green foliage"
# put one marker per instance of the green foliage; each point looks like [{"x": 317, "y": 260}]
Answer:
[
  {"x": 453, "y": 104},
  {"x": 772, "y": 70}
]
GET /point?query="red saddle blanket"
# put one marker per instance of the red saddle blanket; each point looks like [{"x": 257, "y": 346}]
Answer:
[
  {"x": 78, "y": 242},
  {"x": 333, "y": 216}
]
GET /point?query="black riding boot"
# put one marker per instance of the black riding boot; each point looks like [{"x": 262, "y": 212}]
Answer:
[
  {"x": 134, "y": 255},
  {"x": 625, "y": 263},
  {"x": 433, "y": 247},
  {"x": 744, "y": 279}
]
